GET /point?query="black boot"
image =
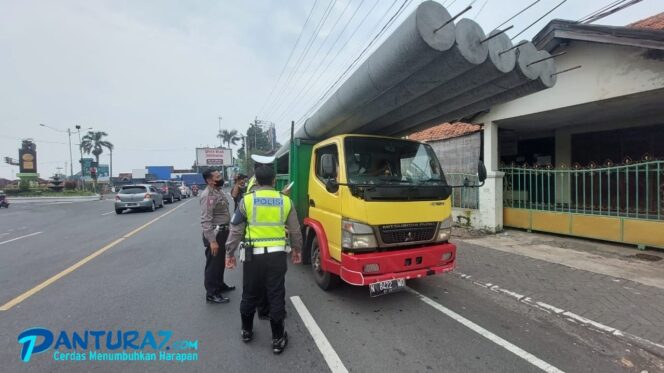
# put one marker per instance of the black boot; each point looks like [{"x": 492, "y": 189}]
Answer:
[
  {"x": 279, "y": 336},
  {"x": 247, "y": 332}
]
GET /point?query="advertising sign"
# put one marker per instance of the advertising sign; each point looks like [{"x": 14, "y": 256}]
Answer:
[
  {"x": 212, "y": 157},
  {"x": 27, "y": 156}
]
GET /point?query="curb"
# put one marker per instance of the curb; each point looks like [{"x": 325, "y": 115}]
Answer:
[{"x": 21, "y": 200}]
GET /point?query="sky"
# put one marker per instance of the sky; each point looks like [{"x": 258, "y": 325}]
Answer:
[{"x": 156, "y": 75}]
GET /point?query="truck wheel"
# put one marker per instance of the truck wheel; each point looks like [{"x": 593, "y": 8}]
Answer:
[{"x": 325, "y": 280}]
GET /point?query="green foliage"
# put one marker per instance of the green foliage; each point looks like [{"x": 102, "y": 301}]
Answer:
[
  {"x": 94, "y": 143},
  {"x": 257, "y": 141}
]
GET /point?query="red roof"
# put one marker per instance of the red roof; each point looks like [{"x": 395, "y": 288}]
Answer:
[
  {"x": 655, "y": 22},
  {"x": 445, "y": 131}
]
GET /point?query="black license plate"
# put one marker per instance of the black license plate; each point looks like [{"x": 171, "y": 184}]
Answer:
[{"x": 386, "y": 287}]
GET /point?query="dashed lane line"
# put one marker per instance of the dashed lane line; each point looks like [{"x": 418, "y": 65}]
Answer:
[
  {"x": 7, "y": 306},
  {"x": 532, "y": 359},
  {"x": 570, "y": 316},
  {"x": 331, "y": 358},
  {"x": 18, "y": 238}
]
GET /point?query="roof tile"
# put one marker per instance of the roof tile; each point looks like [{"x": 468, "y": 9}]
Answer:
[
  {"x": 655, "y": 22},
  {"x": 445, "y": 131}
]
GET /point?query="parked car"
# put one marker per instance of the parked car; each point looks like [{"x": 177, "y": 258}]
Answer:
[
  {"x": 169, "y": 190},
  {"x": 185, "y": 191},
  {"x": 139, "y": 197}
]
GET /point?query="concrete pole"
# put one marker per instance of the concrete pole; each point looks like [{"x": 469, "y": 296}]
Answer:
[{"x": 491, "y": 194}]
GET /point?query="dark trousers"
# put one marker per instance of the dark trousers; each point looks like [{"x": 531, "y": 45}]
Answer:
[
  {"x": 264, "y": 276},
  {"x": 215, "y": 265}
]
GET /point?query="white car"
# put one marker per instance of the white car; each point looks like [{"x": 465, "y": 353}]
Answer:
[{"x": 185, "y": 191}]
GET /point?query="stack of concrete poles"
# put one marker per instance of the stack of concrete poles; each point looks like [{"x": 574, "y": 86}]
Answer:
[
  {"x": 427, "y": 72},
  {"x": 417, "y": 42}
]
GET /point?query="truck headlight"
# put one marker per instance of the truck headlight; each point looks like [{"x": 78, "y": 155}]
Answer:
[
  {"x": 444, "y": 230},
  {"x": 356, "y": 235}
]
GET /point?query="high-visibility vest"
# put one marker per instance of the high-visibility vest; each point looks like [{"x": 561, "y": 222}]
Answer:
[
  {"x": 267, "y": 212},
  {"x": 251, "y": 184}
]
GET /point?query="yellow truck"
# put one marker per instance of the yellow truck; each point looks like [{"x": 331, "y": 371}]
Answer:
[{"x": 375, "y": 210}]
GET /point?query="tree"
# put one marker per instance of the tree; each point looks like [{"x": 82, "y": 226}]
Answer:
[
  {"x": 228, "y": 137},
  {"x": 93, "y": 142}
]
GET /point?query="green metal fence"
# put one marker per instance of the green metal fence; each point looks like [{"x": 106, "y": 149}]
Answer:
[
  {"x": 634, "y": 190},
  {"x": 467, "y": 198}
]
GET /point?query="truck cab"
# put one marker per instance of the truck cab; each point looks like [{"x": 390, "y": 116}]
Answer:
[{"x": 377, "y": 210}]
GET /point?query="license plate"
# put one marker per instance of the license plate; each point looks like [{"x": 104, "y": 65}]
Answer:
[
  {"x": 386, "y": 287},
  {"x": 132, "y": 204}
]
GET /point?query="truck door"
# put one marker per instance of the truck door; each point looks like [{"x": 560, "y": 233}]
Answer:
[{"x": 325, "y": 207}]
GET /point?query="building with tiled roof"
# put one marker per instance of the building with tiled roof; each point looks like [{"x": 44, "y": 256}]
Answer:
[
  {"x": 655, "y": 22},
  {"x": 445, "y": 131}
]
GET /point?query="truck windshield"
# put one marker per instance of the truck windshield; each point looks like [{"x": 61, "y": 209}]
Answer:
[{"x": 391, "y": 161}]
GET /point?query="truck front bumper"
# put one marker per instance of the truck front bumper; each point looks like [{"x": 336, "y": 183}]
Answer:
[{"x": 407, "y": 264}]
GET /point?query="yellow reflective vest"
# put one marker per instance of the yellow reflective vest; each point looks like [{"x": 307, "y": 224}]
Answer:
[{"x": 267, "y": 212}]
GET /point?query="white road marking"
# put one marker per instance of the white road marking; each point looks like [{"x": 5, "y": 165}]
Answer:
[
  {"x": 532, "y": 359},
  {"x": 569, "y": 316},
  {"x": 18, "y": 238},
  {"x": 331, "y": 357},
  {"x": 104, "y": 214},
  {"x": 55, "y": 203}
]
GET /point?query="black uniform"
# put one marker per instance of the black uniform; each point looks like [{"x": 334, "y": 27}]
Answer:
[
  {"x": 215, "y": 217},
  {"x": 265, "y": 274}
]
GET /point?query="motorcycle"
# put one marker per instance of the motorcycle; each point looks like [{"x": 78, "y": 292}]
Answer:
[{"x": 3, "y": 200}]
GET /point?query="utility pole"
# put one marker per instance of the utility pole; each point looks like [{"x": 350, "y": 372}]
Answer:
[
  {"x": 219, "y": 134},
  {"x": 71, "y": 164}
]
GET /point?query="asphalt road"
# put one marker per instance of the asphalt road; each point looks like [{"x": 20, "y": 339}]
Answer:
[{"x": 148, "y": 275}]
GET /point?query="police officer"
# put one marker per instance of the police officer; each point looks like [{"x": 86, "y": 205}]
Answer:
[
  {"x": 260, "y": 221},
  {"x": 215, "y": 217}
]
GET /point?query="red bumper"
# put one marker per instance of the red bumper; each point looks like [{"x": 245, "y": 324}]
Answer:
[{"x": 408, "y": 264}]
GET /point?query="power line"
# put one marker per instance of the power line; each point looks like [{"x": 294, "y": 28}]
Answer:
[
  {"x": 387, "y": 24},
  {"x": 601, "y": 10},
  {"x": 519, "y": 13},
  {"x": 303, "y": 55},
  {"x": 539, "y": 19},
  {"x": 307, "y": 86},
  {"x": 352, "y": 34},
  {"x": 312, "y": 59},
  {"x": 481, "y": 9},
  {"x": 290, "y": 55},
  {"x": 611, "y": 11}
]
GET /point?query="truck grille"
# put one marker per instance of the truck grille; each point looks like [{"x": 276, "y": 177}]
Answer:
[{"x": 404, "y": 233}]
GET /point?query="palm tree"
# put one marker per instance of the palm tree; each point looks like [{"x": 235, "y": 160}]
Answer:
[
  {"x": 93, "y": 142},
  {"x": 228, "y": 137}
]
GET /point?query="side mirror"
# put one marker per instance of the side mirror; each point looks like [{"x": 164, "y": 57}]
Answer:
[
  {"x": 481, "y": 171},
  {"x": 331, "y": 185},
  {"x": 327, "y": 166}
]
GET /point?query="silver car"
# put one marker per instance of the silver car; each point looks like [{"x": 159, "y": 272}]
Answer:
[{"x": 139, "y": 197}]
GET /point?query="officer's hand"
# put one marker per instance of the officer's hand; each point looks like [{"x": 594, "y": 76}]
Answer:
[
  {"x": 230, "y": 263},
  {"x": 297, "y": 257},
  {"x": 214, "y": 248}
]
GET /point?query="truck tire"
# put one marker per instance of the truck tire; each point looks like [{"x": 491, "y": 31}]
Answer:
[{"x": 325, "y": 280}]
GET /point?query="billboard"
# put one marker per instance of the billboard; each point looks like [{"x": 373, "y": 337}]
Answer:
[
  {"x": 27, "y": 156},
  {"x": 212, "y": 157}
]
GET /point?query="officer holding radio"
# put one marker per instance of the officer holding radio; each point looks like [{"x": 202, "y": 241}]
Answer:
[{"x": 260, "y": 222}]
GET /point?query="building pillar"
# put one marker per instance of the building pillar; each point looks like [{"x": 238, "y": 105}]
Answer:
[
  {"x": 491, "y": 194},
  {"x": 563, "y": 158}
]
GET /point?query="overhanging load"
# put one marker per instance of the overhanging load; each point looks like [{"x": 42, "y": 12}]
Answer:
[{"x": 423, "y": 74}]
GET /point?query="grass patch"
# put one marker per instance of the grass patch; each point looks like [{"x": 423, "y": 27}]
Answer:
[{"x": 48, "y": 193}]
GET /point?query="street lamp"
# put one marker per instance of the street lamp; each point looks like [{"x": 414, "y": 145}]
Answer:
[{"x": 68, "y": 132}]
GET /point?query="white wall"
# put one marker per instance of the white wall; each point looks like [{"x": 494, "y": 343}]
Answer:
[{"x": 608, "y": 71}]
